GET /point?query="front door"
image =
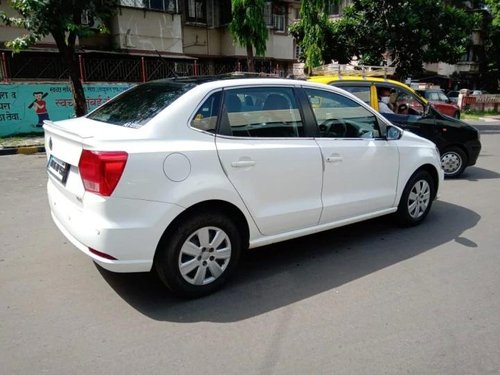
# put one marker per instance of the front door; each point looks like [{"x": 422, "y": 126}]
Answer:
[{"x": 360, "y": 167}]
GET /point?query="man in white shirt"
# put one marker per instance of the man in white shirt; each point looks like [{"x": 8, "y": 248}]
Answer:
[{"x": 384, "y": 96}]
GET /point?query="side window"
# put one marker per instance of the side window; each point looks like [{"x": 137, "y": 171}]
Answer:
[
  {"x": 341, "y": 117},
  {"x": 261, "y": 112},
  {"x": 362, "y": 92},
  {"x": 206, "y": 116},
  {"x": 442, "y": 97},
  {"x": 406, "y": 103}
]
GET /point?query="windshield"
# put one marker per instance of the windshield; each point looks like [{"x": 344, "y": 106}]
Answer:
[{"x": 137, "y": 106}]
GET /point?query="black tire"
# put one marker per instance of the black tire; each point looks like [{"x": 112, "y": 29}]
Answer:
[
  {"x": 457, "y": 115},
  {"x": 453, "y": 162},
  {"x": 204, "y": 254},
  {"x": 416, "y": 200}
]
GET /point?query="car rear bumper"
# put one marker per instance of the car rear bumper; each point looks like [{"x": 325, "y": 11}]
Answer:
[{"x": 125, "y": 229}]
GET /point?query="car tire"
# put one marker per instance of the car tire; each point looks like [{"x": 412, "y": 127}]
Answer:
[
  {"x": 416, "y": 200},
  {"x": 456, "y": 115},
  {"x": 453, "y": 162},
  {"x": 198, "y": 255}
]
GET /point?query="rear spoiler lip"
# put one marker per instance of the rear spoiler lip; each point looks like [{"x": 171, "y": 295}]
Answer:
[{"x": 52, "y": 127}]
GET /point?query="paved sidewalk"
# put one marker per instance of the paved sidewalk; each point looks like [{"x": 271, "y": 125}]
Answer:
[{"x": 22, "y": 145}]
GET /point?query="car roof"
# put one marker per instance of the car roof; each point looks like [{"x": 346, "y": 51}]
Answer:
[
  {"x": 328, "y": 79},
  {"x": 226, "y": 81}
]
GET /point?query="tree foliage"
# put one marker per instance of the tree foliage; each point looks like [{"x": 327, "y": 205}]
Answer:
[
  {"x": 408, "y": 33},
  {"x": 248, "y": 27},
  {"x": 62, "y": 19}
]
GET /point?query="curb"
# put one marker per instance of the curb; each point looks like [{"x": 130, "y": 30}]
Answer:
[{"x": 25, "y": 150}]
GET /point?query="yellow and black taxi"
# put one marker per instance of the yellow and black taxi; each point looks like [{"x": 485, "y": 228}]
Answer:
[{"x": 458, "y": 143}]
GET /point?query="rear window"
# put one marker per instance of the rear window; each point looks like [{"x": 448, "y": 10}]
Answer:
[{"x": 137, "y": 106}]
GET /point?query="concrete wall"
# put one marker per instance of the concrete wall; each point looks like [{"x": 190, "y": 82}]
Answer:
[
  {"x": 147, "y": 30},
  {"x": 10, "y": 32},
  {"x": 18, "y": 115}
]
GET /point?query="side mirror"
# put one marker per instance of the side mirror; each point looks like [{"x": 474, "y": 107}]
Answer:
[{"x": 393, "y": 133}]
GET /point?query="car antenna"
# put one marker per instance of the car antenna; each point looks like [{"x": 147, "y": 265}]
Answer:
[{"x": 170, "y": 70}]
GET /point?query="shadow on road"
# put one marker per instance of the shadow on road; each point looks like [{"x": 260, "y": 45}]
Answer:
[
  {"x": 275, "y": 276},
  {"x": 476, "y": 174}
]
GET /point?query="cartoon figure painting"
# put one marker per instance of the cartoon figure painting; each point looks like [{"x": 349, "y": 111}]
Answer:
[{"x": 40, "y": 107}]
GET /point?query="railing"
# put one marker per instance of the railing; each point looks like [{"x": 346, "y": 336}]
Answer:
[
  {"x": 46, "y": 66},
  {"x": 486, "y": 102}
]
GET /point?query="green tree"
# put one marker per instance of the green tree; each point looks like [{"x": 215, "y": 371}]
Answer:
[
  {"x": 63, "y": 20},
  {"x": 402, "y": 32},
  {"x": 248, "y": 28},
  {"x": 491, "y": 77},
  {"x": 314, "y": 31},
  {"x": 408, "y": 33},
  {"x": 494, "y": 9}
]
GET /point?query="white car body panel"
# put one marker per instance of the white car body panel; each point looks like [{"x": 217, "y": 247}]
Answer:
[
  {"x": 290, "y": 191},
  {"x": 279, "y": 180},
  {"x": 350, "y": 166}
]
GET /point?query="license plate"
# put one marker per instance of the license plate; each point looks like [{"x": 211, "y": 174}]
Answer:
[{"x": 58, "y": 168}]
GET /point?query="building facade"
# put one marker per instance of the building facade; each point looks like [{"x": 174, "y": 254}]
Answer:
[{"x": 153, "y": 39}]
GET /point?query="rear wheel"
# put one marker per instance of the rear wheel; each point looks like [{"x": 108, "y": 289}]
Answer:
[
  {"x": 453, "y": 161},
  {"x": 456, "y": 115},
  {"x": 198, "y": 255},
  {"x": 416, "y": 200}
]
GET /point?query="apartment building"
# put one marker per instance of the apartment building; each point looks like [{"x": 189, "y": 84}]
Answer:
[{"x": 153, "y": 39}]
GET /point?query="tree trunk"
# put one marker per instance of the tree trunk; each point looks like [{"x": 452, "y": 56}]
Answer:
[
  {"x": 80, "y": 104},
  {"x": 68, "y": 56},
  {"x": 250, "y": 59}
]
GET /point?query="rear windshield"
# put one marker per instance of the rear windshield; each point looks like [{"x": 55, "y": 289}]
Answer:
[{"x": 137, "y": 106}]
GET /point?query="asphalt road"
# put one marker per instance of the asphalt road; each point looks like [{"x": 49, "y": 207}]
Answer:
[{"x": 369, "y": 298}]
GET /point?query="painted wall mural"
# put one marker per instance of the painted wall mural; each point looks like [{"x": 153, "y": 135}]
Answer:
[{"x": 24, "y": 106}]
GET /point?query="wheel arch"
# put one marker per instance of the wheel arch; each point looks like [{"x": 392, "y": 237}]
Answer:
[
  {"x": 456, "y": 145},
  {"x": 215, "y": 205}
]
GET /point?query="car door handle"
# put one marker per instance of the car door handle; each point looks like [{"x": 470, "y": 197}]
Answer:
[
  {"x": 243, "y": 163},
  {"x": 334, "y": 159}
]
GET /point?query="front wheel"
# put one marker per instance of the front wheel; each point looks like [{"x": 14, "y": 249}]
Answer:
[
  {"x": 416, "y": 200},
  {"x": 453, "y": 162},
  {"x": 198, "y": 255}
]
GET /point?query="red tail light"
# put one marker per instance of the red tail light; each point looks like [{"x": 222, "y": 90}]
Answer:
[{"x": 101, "y": 170}]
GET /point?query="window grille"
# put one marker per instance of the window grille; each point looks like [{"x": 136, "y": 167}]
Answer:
[
  {"x": 169, "y": 6},
  {"x": 279, "y": 22}
]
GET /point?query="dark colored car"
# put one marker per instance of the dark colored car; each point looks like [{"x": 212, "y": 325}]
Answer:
[{"x": 458, "y": 143}]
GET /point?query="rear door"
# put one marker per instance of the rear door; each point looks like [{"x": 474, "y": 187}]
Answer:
[{"x": 265, "y": 150}]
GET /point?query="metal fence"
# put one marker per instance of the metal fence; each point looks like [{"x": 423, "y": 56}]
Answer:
[{"x": 48, "y": 66}]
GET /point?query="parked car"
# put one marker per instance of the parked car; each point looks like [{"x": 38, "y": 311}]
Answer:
[
  {"x": 181, "y": 176},
  {"x": 458, "y": 142},
  {"x": 441, "y": 102},
  {"x": 453, "y": 96}
]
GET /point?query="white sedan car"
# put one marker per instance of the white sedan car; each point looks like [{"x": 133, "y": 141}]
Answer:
[{"x": 182, "y": 176}]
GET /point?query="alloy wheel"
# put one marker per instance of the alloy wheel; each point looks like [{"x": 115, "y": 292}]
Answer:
[
  {"x": 204, "y": 256},
  {"x": 419, "y": 198}
]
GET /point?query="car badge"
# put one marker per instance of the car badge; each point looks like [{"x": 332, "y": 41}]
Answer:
[{"x": 50, "y": 144}]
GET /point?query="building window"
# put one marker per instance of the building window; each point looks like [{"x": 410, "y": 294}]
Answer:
[
  {"x": 196, "y": 11},
  {"x": 334, "y": 9},
  {"x": 268, "y": 14},
  {"x": 169, "y": 6},
  {"x": 279, "y": 22},
  {"x": 279, "y": 18}
]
